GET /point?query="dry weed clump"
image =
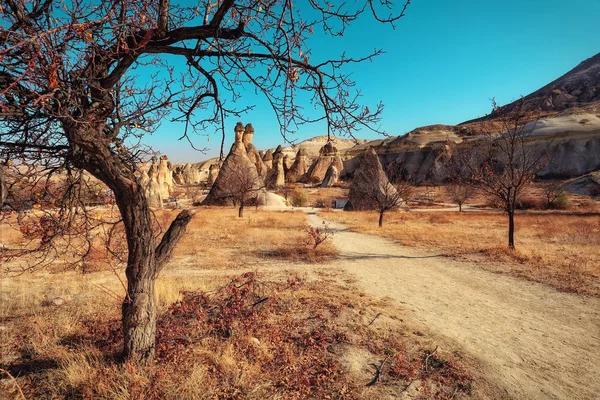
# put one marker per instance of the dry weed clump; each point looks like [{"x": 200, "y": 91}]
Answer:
[
  {"x": 250, "y": 338},
  {"x": 557, "y": 248}
]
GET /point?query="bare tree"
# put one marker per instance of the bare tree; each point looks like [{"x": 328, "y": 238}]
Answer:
[
  {"x": 553, "y": 192},
  {"x": 459, "y": 193},
  {"x": 504, "y": 164},
  {"x": 82, "y": 83},
  {"x": 384, "y": 195},
  {"x": 242, "y": 187}
]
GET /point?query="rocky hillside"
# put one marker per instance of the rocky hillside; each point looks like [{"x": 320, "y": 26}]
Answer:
[{"x": 568, "y": 119}]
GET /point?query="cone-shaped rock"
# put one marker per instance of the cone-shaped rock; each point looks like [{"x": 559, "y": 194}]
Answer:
[
  {"x": 369, "y": 178},
  {"x": 328, "y": 155},
  {"x": 331, "y": 177},
  {"x": 276, "y": 176},
  {"x": 213, "y": 172},
  {"x": 164, "y": 177},
  {"x": 268, "y": 159},
  {"x": 299, "y": 167},
  {"x": 237, "y": 166},
  {"x": 154, "y": 194}
]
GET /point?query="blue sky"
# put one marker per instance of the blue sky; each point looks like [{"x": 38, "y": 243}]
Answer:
[{"x": 443, "y": 63}]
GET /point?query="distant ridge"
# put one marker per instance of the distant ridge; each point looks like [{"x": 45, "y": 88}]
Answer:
[{"x": 578, "y": 87}]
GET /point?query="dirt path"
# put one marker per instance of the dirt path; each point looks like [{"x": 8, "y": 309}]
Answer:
[{"x": 533, "y": 341}]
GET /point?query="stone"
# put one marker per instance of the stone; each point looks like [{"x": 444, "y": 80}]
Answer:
[
  {"x": 186, "y": 175},
  {"x": 328, "y": 155},
  {"x": 268, "y": 159},
  {"x": 213, "y": 172},
  {"x": 276, "y": 176},
  {"x": 299, "y": 167},
  {"x": 331, "y": 177}
]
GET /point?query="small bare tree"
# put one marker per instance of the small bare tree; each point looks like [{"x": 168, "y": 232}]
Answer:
[
  {"x": 459, "y": 193},
  {"x": 504, "y": 164},
  {"x": 242, "y": 187},
  {"x": 553, "y": 192},
  {"x": 385, "y": 196}
]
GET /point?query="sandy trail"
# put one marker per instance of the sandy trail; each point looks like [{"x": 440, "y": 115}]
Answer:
[{"x": 533, "y": 341}]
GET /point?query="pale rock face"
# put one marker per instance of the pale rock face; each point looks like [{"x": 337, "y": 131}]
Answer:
[
  {"x": 268, "y": 159},
  {"x": 154, "y": 194},
  {"x": 164, "y": 177},
  {"x": 276, "y": 176},
  {"x": 331, "y": 177},
  {"x": 186, "y": 175},
  {"x": 300, "y": 165},
  {"x": 213, "y": 172},
  {"x": 328, "y": 155}
]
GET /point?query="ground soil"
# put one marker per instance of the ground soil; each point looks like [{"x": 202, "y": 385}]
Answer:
[{"x": 531, "y": 340}]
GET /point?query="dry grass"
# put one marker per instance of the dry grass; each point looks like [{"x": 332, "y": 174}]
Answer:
[
  {"x": 60, "y": 332},
  {"x": 308, "y": 339},
  {"x": 217, "y": 239},
  {"x": 559, "y": 249}
]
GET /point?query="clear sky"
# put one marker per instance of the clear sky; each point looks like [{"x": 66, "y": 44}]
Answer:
[{"x": 443, "y": 63}]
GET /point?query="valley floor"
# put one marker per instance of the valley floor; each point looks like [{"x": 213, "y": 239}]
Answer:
[{"x": 532, "y": 340}]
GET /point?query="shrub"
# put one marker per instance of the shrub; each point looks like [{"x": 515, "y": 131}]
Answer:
[
  {"x": 299, "y": 198},
  {"x": 561, "y": 202}
]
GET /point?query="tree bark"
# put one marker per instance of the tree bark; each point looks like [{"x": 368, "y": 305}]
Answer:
[
  {"x": 459, "y": 207},
  {"x": 381, "y": 218},
  {"x": 144, "y": 260},
  {"x": 511, "y": 230},
  {"x": 241, "y": 210}
]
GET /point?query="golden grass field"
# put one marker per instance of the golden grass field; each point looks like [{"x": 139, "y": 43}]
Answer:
[
  {"x": 559, "y": 249},
  {"x": 288, "y": 332}
]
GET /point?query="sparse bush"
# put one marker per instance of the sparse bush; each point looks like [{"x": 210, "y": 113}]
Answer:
[
  {"x": 316, "y": 236},
  {"x": 555, "y": 196},
  {"x": 299, "y": 198},
  {"x": 562, "y": 201}
]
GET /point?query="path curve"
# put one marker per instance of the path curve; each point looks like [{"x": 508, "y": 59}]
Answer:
[{"x": 533, "y": 341}]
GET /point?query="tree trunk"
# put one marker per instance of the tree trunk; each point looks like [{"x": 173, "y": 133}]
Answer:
[
  {"x": 511, "y": 229},
  {"x": 241, "y": 210},
  {"x": 139, "y": 305},
  {"x": 145, "y": 260},
  {"x": 381, "y": 218},
  {"x": 459, "y": 207}
]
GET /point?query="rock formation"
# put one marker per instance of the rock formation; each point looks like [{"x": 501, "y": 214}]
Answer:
[
  {"x": 154, "y": 194},
  {"x": 332, "y": 176},
  {"x": 368, "y": 178},
  {"x": 253, "y": 153},
  {"x": 268, "y": 159},
  {"x": 213, "y": 172},
  {"x": 162, "y": 175},
  {"x": 151, "y": 187},
  {"x": 276, "y": 176},
  {"x": 186, "y": 175},
  {"x": 237, "y": 169},
  {"x": 328, "y": 155},
  {"x": 299, "y": 167}
]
